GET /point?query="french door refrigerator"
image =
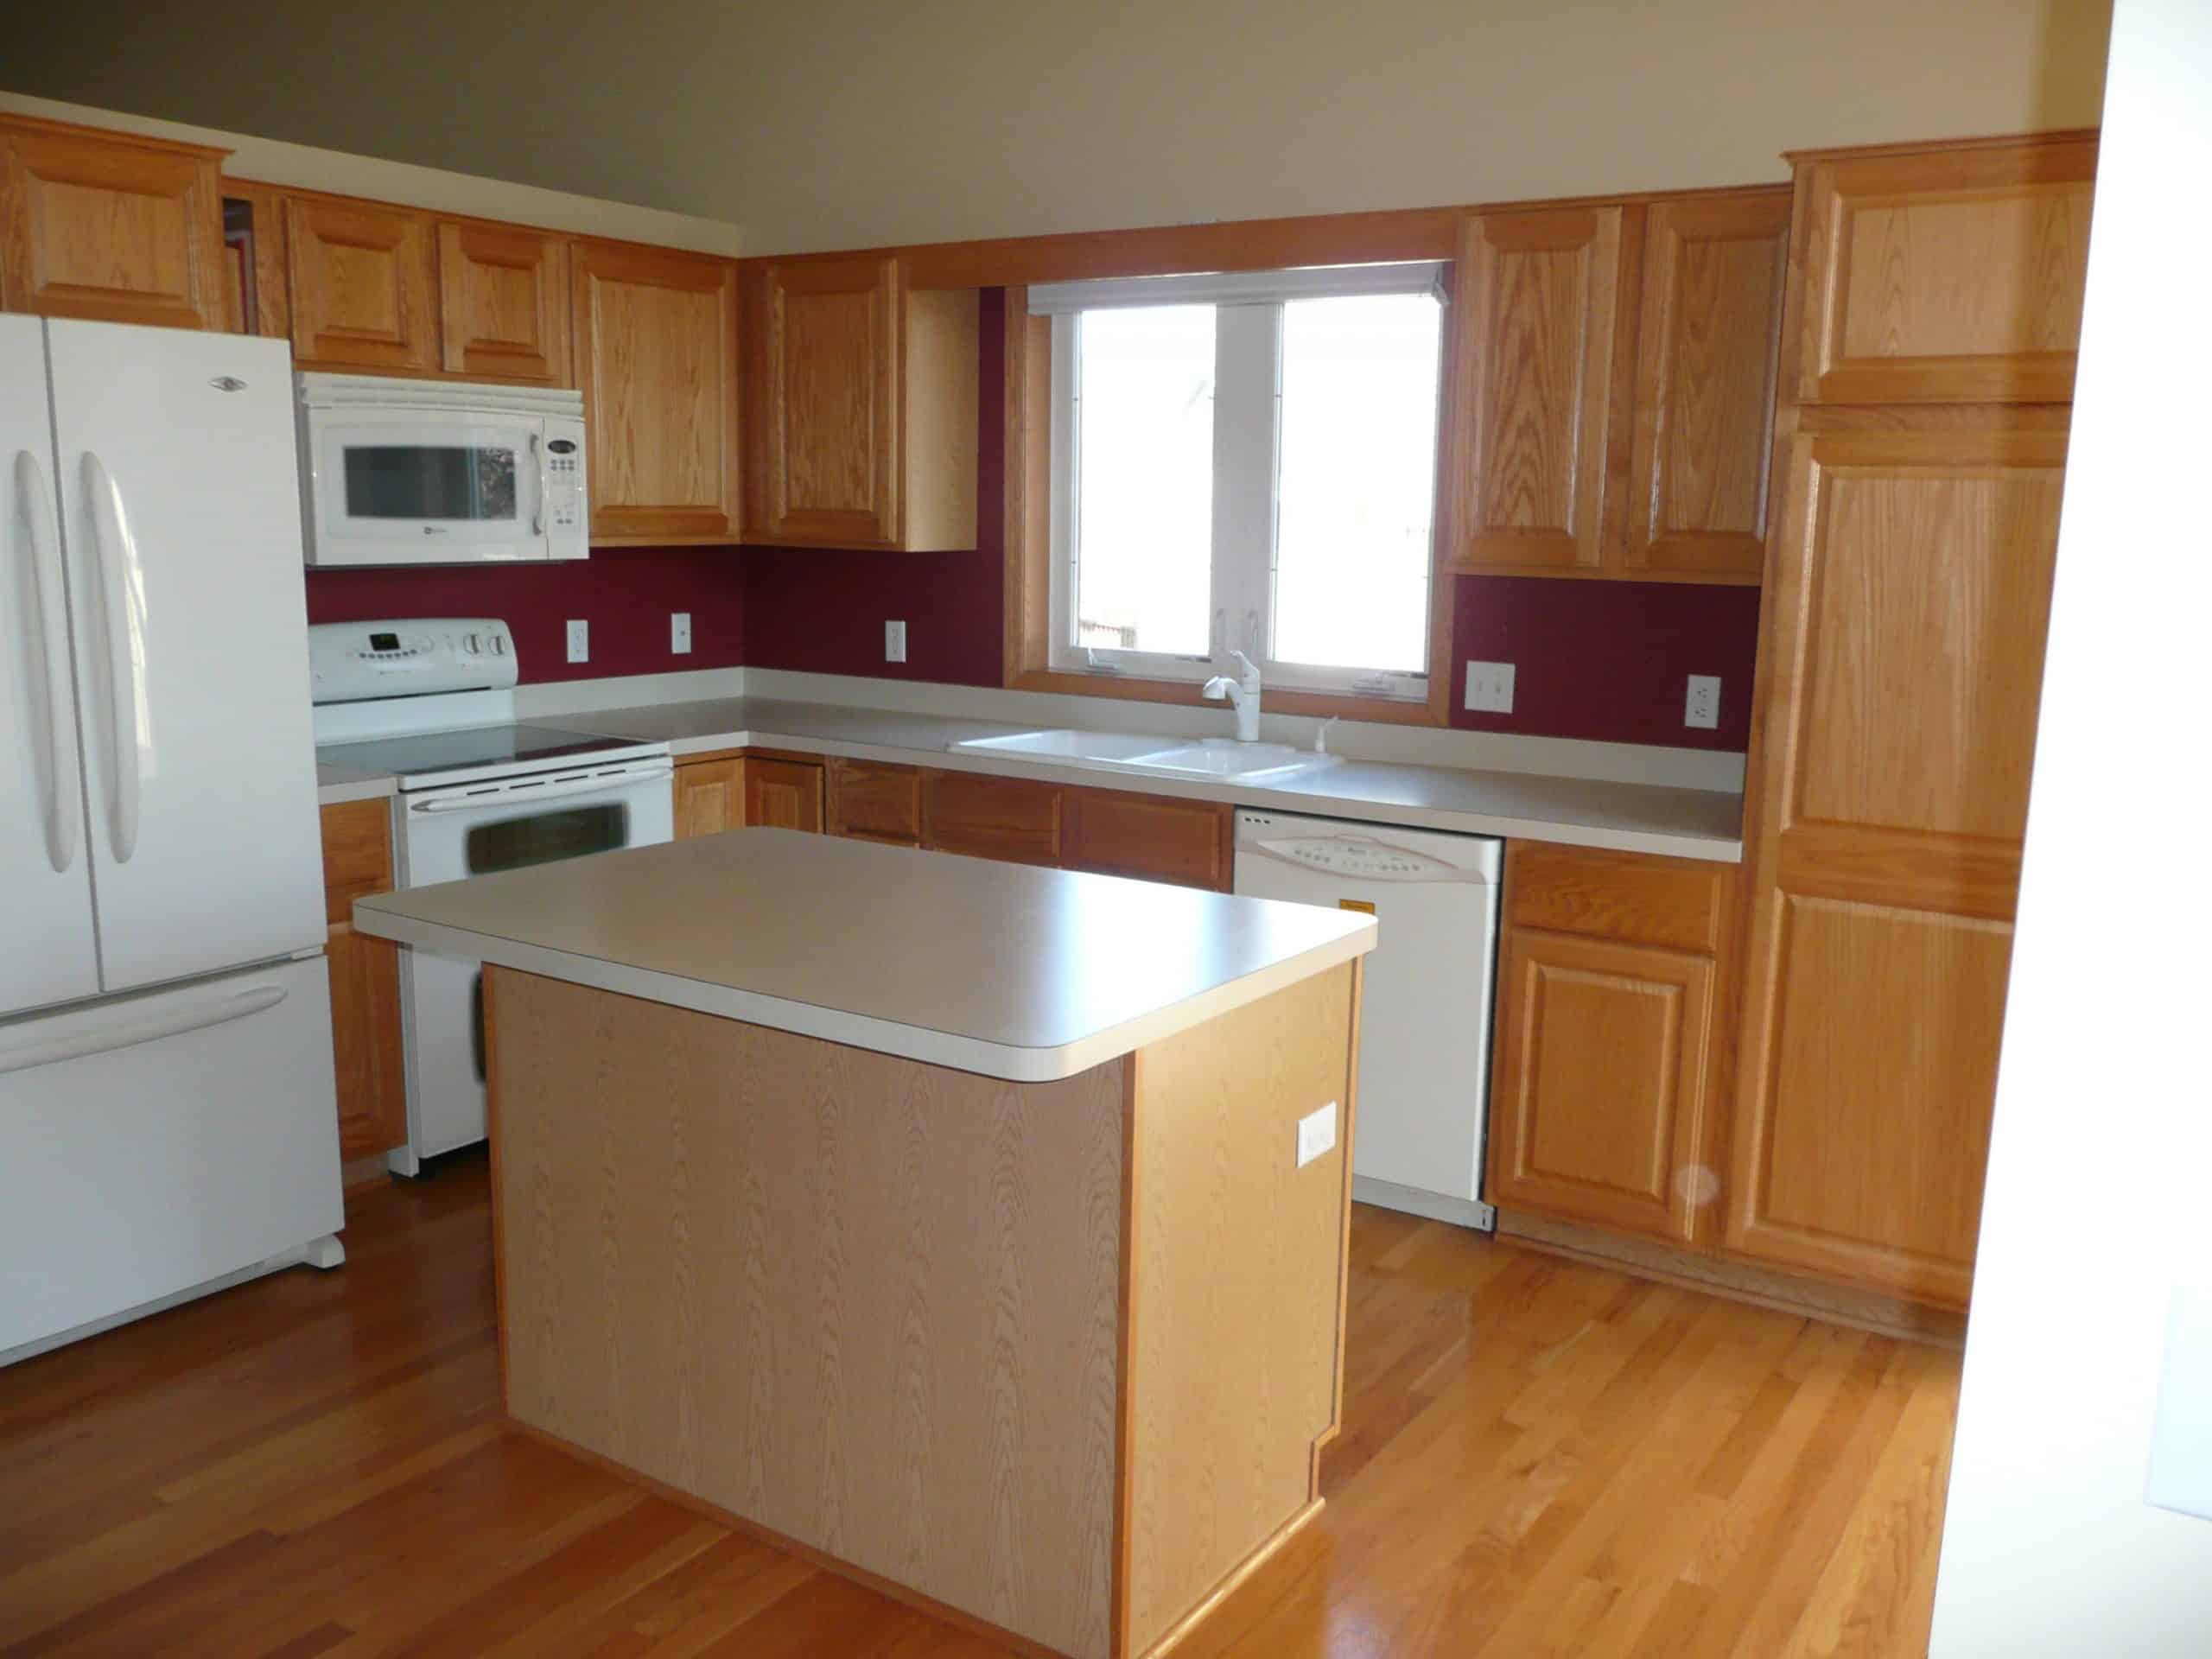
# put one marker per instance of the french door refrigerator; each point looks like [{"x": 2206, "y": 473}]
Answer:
[{"x": 167, "y": 1115}]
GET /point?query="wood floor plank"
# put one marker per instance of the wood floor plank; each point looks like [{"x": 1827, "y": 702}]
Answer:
[{"x": 1538, "y": 1457}]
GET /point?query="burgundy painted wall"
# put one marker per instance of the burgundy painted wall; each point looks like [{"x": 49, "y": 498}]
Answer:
[
  {"x": 1607, "y": 659},
  {"x": 625, "y": 592},
  {"x": 823, "y": 611},
  {"x": 1601, "y": 660}
]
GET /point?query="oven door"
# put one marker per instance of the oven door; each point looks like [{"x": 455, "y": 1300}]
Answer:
[
  {"x": 423, "y": 486},
  {"x": 477, "y": 830}
]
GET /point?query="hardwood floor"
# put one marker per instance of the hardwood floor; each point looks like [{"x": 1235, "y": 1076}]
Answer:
[{"x": 1538, "y": 1457}]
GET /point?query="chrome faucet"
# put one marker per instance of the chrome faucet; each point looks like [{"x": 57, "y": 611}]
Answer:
[{"x": 1243, "y": 696}]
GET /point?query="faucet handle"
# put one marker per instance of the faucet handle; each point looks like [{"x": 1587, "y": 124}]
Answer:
[{"x": 1251, "y": 668}]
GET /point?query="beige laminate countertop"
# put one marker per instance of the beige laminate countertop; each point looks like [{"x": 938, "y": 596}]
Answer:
[
  {"x": 1004, "y": 970},
  {"x": 1627, "y": 818}
]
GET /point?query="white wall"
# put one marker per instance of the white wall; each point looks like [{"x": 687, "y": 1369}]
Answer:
[
  {"x": 2099, "y": 1197},
  {"x": 818, "y": 123},
  {"x": 268, "y": 160}
]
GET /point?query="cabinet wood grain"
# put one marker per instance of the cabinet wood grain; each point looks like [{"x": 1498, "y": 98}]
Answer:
[
  {"x": 110, "y": 227},
  {"x": 869, "y": 801},
  {"x": 1010, "y": 818},
  {"x": 1946, "y": 276},
  {"x": 365, "y": 1018},
  {"x": 783, "y": 794},
  {"x": 656, "y": 356},
  {"x": 1191, "y": 843},
  {"x": 1704, "y": 409},
  {"x": 830, "y": 398},
  {"x": 363, "y": 282},
  {"x": 503, "y": 296},
  {"x": 709, "y": 796},
  {"x": 356, "y": 854},
  {"x": 1601, "y": 1074},
  {"x": 1635, "y": 897},
  {"x": 1539, "y": 296}
]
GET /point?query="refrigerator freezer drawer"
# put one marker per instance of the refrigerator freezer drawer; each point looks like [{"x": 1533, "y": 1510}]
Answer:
[{"x": 155, "y": 1142}]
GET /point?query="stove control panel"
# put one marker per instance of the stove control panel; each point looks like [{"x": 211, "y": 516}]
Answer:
[{"x": 355, "y": 661}]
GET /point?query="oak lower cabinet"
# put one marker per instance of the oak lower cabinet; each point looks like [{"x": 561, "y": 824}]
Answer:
[
  {"x": 783, "y": 794},
  {"x": 655, "y": 336},
  {"x": 365, "y": 1027},
  {"x": 868, "y": 801},
  {"x": 110, "y": 227},
  {"x": 862, "y": 407},
  {"x": 1017, "y": 820},
  {"x": 709, "y": 796},
  {"x": 1155, "y": 837},
  {"x": 1609, "y": 1039}
]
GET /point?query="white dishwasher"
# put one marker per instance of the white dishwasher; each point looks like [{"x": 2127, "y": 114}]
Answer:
[{"x": 1426, "y": 1001}]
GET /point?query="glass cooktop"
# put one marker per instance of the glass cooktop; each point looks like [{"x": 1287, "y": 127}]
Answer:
[{"x": 422, "y": 755}]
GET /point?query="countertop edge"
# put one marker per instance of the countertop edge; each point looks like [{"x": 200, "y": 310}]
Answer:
[{"x": 1007, "y": 1062}]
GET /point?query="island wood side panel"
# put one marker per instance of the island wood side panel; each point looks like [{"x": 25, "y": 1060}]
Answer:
[
  {"x": 870, "y": 1305},
  {"x": 1235, "y": 1304}
]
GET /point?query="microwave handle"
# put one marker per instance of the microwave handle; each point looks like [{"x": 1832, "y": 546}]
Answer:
[{"x": 545, "y": 485}]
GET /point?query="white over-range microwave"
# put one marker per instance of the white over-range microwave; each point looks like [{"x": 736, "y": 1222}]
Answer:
[{"x": 438, "y": 472}]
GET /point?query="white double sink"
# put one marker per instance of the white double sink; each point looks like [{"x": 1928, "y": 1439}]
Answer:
[{"x": 1155, "y": 756}]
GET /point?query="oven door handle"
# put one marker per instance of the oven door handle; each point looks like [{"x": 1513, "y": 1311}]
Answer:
[{"x": 541, "y": 792}]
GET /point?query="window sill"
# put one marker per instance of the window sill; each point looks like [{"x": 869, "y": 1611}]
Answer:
[{"x": 1324, "y": 704}]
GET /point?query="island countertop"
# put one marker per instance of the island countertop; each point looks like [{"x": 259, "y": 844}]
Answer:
[{"x": 1026, "y": 973}]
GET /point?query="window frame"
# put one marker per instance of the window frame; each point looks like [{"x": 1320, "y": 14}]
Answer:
[{"x": 1248, "y": 449}]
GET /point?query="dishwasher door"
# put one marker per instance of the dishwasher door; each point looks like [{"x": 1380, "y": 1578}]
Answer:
[{"x": 1427, "y": 999}]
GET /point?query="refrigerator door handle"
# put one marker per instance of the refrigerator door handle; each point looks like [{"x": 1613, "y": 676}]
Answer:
[
  {"x": 121, "y": 589},
  {"x": 50, "y": 664},
  {"x": 128, "y": 1032}
]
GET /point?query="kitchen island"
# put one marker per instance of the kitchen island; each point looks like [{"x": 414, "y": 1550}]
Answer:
[{"x": 975, "y": 1229}]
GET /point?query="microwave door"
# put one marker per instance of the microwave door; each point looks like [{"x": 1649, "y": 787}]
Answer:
[{"x": 418, "y": 487}]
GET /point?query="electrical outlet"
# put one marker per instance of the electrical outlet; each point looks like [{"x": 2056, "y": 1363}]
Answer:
[
  {"x": 1702, "y": 706},
  {"x": 894, "y": 642},
  {"x": 579, "y": 640},
  {"x": 1317, "y": 1133},
  {"x": 679, "y": 633},
  {"x": 1489, "y": 687}
]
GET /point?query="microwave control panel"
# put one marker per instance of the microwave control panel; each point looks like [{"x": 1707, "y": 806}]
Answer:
[{"x": 566, "y": 514}]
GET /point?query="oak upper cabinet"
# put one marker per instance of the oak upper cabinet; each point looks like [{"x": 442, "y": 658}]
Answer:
[
  {"x": 783, "y": 794},
  {"x": 365, "y": 1027},
  {"x": 708, "y": 797},
  {"x": 1951, "y": 275},
  {"x": 364, "y": 285},
  {"x": 863, "y": 408},
  {"x": 110, "y": 227},
  {"x": 502, "y": 302},
  {"x": 1707, "y": 339},
  {"x": 656, "y": 356},
  {"x": 1540, "y": 297},
  {"x": 1608, "y": 1039},
  {"x": 1901, "y": 662}
]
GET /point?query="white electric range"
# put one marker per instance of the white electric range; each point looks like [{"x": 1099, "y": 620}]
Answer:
[{"x": 431, "y": 703}]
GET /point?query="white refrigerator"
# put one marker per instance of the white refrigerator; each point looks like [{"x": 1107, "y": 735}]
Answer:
[{"x": 167, "y": 1115}]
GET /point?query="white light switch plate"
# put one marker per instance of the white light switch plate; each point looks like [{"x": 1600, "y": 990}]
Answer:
[
  {"x": 579, "y": 641},
  {"x": 679, "y": 633},
  {"x": 2180, "y": 1477},
  {"x": 894, "y": 642},
  {"x": 1701, "y": 708},
  {"x": 1317, "y": 1133},
  {"x": 1489, "y": 687}
]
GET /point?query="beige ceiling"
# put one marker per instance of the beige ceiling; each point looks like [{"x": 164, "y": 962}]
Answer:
[{"x": 842, "y": 123}]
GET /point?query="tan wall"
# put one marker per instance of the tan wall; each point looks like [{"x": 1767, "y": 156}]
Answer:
[{"x": 836, "y": 123}]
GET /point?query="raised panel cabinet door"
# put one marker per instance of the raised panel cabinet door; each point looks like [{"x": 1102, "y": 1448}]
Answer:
[
  {"x": 868, "y": 802},
  {"x": 1187, "y": 843},
  {"x": 1015, "y": 819},
  {"x": 1540, "y": 297},
  {"x": 1951, "y": 276},
  {"x": 363, "y": 281},
  {"x": 656, "y": 356},
  {"x": 1902, "y": 662},
  {"x": 502, "y": 299},
  {"x": 709, "y": 796},
  {"x": 1603, "y": 1052},
  {"x": 110, "y": 227},
  {"x": 1704, "y": 385},
  {"x": 365, "y": 1042},
  {"x": 783, "y": 795},
  {"x": 830, "y": 432}
]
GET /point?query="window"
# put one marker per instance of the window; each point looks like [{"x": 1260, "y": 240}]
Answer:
[{"x": 1246, "y": 463}]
